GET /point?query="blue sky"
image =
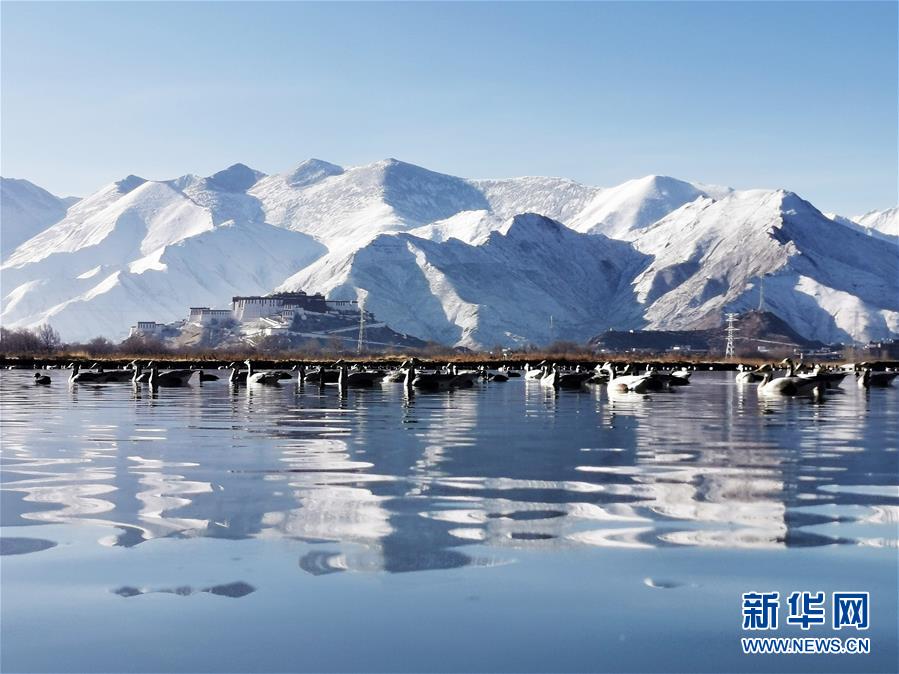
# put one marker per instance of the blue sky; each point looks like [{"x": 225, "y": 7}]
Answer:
[{"x": 795, "y": 95}]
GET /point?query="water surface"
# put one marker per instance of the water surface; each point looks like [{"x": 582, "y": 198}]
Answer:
[{"x": 503, "y": 528}]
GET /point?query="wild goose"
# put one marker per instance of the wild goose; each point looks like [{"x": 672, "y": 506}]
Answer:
[
  {"x": 322, "y": 376},
  {"x": 487, "y": 375},
  {"x": 659, "y": 381},
  {"x": 204, "y": 376},
  {"x": 636, "y": 383},
  {"x": 555, "y": 378},
  {"x": 169, "y": 379},
  {"x": 600, "y": 376},
  {"x": 300, "y": 369},
  {"x": 183, "y": 374},
  {"x": 869, "y": 379},
  {"x": 461, "y": 378},
  {"x": 237, "y": 376},
  {"x": 829, "y": 377},
  {"x": 355, "y": 379},
  {"x": 680, "y": 377},
  {"x": 534, "y": 373},
  {"x": 139, "y": 376},
  {"x": 398, "y": 376},
  {"x": 752, "y": 376},
  {"x": 263, "y": 378},
  {"x": 79, "y": 377},
  {"x": 790, "y": 384},
  {"x": 42, "y": 379},
  {"x": 428, "y": 381}
]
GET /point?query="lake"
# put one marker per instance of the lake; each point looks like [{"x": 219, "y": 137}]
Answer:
[{"x": 505, "y": 527}]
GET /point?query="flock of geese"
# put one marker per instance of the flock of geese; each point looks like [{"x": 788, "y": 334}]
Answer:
[
  {"x": 809, "y": 381},
  {"x": 798, "y": 381}
]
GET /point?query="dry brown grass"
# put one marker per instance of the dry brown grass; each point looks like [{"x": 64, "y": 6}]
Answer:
[{"x": 213, "y": 359}]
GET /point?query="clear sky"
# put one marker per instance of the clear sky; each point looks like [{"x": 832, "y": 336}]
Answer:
[{"x": 794, "y": 95}]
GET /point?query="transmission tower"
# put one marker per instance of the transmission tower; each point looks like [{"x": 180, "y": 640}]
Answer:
[
  {"x": 360, "y": 345},
  {"x": 731, "y": 333},
  {"x": 762, "y": 293}
]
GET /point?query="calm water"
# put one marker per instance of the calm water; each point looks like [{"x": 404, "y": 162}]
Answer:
[{"x": 505, "y": 527}]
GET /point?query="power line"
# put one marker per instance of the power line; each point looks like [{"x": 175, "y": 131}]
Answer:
[{"x": 731, "y": 333}]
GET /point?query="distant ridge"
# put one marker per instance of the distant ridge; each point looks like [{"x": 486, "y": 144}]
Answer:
[
  {"x": 756, "y": 329},
  {"x": 474, "y": 263}
]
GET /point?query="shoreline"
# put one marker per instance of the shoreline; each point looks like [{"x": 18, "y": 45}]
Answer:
[{"x": 517, "y": 360}]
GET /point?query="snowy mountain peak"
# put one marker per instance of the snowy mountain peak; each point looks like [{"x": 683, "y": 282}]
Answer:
[
  {"x": 535, "y": 226},
  {"x": 661, "y": 185},
  {"x": 129, "y": 183},
  {"x": 621, "y": 211},
  {"x": 884, "y": 222},
  {"x": 312, "y": 171},
  {"x": 472, "y": 262},
  {"x": 26, "y": 210},
  {"x": 235, "y": 178}
]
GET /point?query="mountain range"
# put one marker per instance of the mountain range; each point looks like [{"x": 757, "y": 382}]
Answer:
[{"x": 474, "y": 263}]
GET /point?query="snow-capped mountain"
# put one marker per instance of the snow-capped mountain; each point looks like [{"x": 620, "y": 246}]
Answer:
[
  {"x": 885, "y": 222},
  {"x": 343, "y": 208},
  {"x": 534, "y": 280},
  {"x": 453, "y": 259},
  {"x": 146, "y": 250},
  {"x": 619, "y": 212},
  {"x": 26, "y": 210},
  {"x": 829, "y": 282},
  {"x": 881, "y": 218}
]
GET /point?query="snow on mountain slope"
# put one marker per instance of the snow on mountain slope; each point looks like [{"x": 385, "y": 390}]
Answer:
[
  {"x": 869, "y": 231},
  {"x": 128, "y": 225},
  {"x": 885, "y": 222},
  {"x": 26, "y": 210},
  {"x": 444, "y": 258},
  {"x": 143, "y": 250},
  {"x": 620, "y": 212},
  {"x": 469, "y": 226},
  {"x": 345, "y": 208},
  {"x": 829, "y": 282},
  {"x": 557, "y": 198},
  {"x": 534, "y": 283}
]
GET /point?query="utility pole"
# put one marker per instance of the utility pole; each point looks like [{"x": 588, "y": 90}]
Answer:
[
  {"x": 731, "y": 333},
  {"x": 360, "y": 345}
]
